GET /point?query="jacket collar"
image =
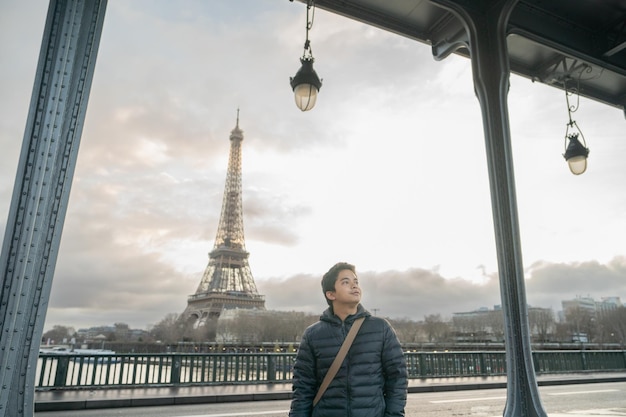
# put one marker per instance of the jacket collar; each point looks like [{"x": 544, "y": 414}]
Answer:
[{"x": 329, "y": 316}]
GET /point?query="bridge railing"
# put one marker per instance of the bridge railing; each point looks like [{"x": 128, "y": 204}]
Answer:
[{"x": 79, "y": 370}]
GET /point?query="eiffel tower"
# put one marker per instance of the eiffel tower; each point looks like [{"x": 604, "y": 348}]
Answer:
[{"x": 227, "y": 282}]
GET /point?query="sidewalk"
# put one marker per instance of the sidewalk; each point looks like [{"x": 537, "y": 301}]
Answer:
[{"x": 58, "y": 400}]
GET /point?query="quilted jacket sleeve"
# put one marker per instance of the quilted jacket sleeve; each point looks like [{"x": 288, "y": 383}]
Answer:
[
  {"x": 304, "y": 380},
  {"x": 396, "y": 377}
]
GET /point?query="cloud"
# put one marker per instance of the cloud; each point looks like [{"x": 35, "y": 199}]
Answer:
[
  {"x": 83, "y": 292},
  {"x": 300, "y": 292},
  {"x": 415, "y": 293},
  {"x": 104, "y": 278},
  {"x": 268, "y": 212},
  {"x": 550, "y": 283}
]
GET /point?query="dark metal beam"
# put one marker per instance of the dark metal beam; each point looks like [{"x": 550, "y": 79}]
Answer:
[
  {"x": 486, "y": 23},
  {"x": 356, "y": 11},
  {"x": 41, "y": 192}
]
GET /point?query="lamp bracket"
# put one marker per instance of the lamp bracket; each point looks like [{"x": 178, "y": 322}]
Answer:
[
  {"x": 572, "y": 128},
  {"x": 563, "y": 69},
  {"x": 310, "y": 17}
]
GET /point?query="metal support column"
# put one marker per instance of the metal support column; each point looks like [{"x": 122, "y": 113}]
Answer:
[
  {"x": 485, "y": 23},
  {"x": 41, "y": 191}
]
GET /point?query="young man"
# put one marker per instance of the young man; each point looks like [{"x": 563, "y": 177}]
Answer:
[{"x": 372, "y": 380}]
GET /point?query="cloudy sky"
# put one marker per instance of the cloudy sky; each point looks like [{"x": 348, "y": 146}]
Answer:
[{"x": 388, "y": 171}]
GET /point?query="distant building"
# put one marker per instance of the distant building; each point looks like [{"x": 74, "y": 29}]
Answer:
[
  {"x": 480, "y": 325},
  {"x": 591, "y": 306},
  {"x": 484, "y": 325},
  {"x": 122, "y": 334},
  {"x": 609, "y": 304},
  {"x": 92, "y": 332},
  {"x": 586, "y": 304}
]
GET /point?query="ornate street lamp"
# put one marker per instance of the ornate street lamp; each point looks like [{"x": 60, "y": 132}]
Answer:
[
  {"x": 306, "y": 83},
  {"x": 576, "y": 155},
  {"x": 576, "y": 152}
]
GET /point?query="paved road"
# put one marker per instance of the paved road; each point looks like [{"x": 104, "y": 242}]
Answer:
[{"x": 597, "y": 400}]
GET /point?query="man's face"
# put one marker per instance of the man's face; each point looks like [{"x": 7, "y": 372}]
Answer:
[{"x": 347, "y": 290}]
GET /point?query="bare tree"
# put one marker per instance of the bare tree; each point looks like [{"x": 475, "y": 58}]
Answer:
[
  {"x": 614, "y": 325},
  {"x": 582, "y": 324},
  {"x": 470, "y": 327},
  {"x": 562, "y": 332},
  {"x": 289, "y": 326},
  {"x": 122, "y": 332},
  {"x": 541, "y": 321},
  {"x": 408, "y": 331},
  {"x": 435, "y": 328},
  {"x": 58, "y": 334},
  {"x": 495, "y": 322},
  {"x": 171, "y": 329},
  {"x": 247, "y": 327}
]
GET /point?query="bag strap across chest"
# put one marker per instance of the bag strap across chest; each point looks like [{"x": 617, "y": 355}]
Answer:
[{"x": 334, "y": 367}]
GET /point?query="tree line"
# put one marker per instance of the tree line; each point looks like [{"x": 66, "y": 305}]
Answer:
[{"x": 249, "y": 327}]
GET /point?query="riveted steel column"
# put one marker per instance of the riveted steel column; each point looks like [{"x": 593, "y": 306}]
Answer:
[
  {"x": 41, "y": 191},
  {"x": 486, "y": 23}
]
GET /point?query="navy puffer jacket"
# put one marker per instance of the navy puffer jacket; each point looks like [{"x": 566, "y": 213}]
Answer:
[{"x": 372, "y": 381}]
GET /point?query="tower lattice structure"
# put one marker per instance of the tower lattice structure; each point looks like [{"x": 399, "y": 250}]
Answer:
[{"x": 227, "y": 282}]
